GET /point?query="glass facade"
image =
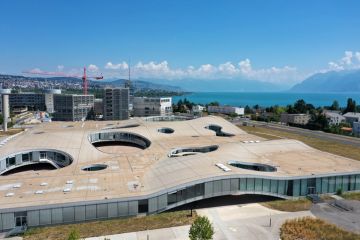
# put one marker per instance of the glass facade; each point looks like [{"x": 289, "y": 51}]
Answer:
[{"x": 290, "y": 188}]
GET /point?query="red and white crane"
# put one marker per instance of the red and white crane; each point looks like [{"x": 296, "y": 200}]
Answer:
[{"x": 84, "y": 77}]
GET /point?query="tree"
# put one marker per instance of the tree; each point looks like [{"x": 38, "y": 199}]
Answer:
[
  {"x": 335, "y": 106},
  {"x": 351, "y": 106},
  {"x": 300, "y": 106},
  {"x": 215, "y": 103},
  {"x": 74, "y": 235},
  {"x": 248, "y": 110},
  {"x": 201, "y": 229}
]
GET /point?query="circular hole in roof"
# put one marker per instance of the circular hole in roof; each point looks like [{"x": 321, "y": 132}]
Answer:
[
  {"x": 119, "y": 142},
  {"x": 253, "y": 166},
  {"x": 166, "y": 130},
  {"x": 94, "y": 167}
]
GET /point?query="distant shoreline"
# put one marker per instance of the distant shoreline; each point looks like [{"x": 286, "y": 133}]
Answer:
[{"x": 267, "y": 99}]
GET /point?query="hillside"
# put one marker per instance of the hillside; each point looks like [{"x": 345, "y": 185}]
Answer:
[
  {"x": 25, "y": 82},
  {"x": 341, "y": 81}
]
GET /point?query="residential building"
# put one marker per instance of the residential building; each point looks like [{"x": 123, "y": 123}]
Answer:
[
  {"x": 152, "y": 106},
  {"x": 298, "y": 118},
  {"x": 334, "y": 117},
  {"x": 198, "y": 109},
  {"x": 71, "y": 107},
  {"x": 356, "y": 129},
  {"x": 352, "y": 117},
  {"x": 116, "y": 104},
  {"x": 226, "y": 110}
]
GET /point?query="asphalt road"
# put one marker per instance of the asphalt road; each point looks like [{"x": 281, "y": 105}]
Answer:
[{"x": 305, "y": 132}]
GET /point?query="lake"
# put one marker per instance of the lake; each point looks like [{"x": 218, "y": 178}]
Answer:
[{"x": 266, "y": 99}]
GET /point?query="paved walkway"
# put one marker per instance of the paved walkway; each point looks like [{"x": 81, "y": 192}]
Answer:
[
  {"x": 346, "y": 219},
  {"x": 248, "y": 221},
  {"x": 174, "y": 233}
]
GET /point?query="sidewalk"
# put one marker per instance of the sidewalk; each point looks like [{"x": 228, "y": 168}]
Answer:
[{"x": 174, "y": 233}]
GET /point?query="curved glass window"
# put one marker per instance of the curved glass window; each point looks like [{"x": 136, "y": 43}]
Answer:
[{"x": 253, "y": 166}]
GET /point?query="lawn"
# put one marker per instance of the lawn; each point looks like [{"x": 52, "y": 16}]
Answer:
[
  {"x": 114, "y": 226},
  {"x": 351, "y": 196},
  {"x": 11, "y": 131},
  {"x": 302, "y": 204},
  {"x": 323, "y": 145},
  {"x": 313, "y": 229}
]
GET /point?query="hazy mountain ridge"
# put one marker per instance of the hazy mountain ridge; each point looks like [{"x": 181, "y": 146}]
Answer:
[
  {"x": 68, "y": 82},
  {"x": 335, "y": 81},
  {"x": 225, "y": 85}
]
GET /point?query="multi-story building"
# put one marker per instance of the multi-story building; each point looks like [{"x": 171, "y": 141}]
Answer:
[
  {"x": 297, "y": 118},
  {"x": 226, "y": 110},
  {"x": 334, "y": 117},
  {"x": 73, "y": 107},
  {"x": 33, "y": 101},
  {"x": 356, "y": 129},
  {"x": 352, "y": 117},
  {"x": 153, "y": 106},
  {"x": 49, "y": 99},
  {"x": 98, "y": 108},
  {"x": 198, "y": 109},
  {"x": 116, "y": 104}
]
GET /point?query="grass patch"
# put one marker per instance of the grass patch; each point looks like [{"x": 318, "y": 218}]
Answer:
[
  {"x": 302, "y": 204},
  {"x": 344, "y": 150},
  {"x": 114, "y": 226},
  {"x": 11, "y": 131},
  {"x": 351, "y": 196},
  {"x": 313, "y": 229},
  {"x": 326, "y": 197}
]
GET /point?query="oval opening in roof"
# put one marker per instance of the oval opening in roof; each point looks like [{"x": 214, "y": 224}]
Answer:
[
  {"x": 166, "y": 130},
  {"x": 253, "y": 166},
  {"x": 94, "y": 167}
]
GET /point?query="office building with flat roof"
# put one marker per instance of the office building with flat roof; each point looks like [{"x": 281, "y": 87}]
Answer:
[
  {"x": 152, "y": 106},
  {"x": 226, "y": 110},
  {"x": 71, "y": 107},
  {"x": 116, "y": 104},
  {"x": 33, "y": 101}
]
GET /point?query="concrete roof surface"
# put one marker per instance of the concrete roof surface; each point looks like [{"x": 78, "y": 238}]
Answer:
[{"x": 141, "y": 172}]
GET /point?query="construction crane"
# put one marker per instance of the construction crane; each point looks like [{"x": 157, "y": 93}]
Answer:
[{"x": 84, "y": 77}]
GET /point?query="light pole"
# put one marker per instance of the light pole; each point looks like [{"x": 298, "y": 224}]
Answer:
[{"x": 5, "y": 92}]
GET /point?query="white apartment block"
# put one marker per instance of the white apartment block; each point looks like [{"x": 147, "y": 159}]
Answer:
[
  {"x": 226, "y": 110},
  {"x": 152, "y": 106}
]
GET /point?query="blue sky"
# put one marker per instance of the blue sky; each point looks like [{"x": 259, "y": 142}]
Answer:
[{"x": 263, "y": 40}]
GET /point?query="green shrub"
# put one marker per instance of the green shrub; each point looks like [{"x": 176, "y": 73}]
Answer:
[
  {"x": 339, "y": 191},
  {"x": 74, "y": 235},
  {"x": 201, "y": 229}
]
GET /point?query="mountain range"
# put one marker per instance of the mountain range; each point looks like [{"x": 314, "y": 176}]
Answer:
[
  {"x": 334, "y": 81},
  {"x": 223, "y": 85}
]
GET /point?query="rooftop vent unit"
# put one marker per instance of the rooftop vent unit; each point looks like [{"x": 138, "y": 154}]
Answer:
[
  {"x": 10, "y": 194},
  {"x": 223, "y": 167}
]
